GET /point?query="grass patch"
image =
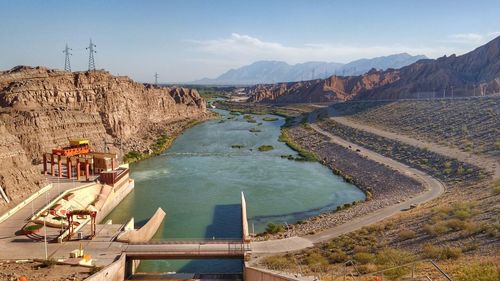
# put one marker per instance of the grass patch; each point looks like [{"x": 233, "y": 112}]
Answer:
[
  {"x": 407, "y": 234},
  {"x": 265, "y": 147},
  {"x": 237, "y": 146},
  {"x": 441, "y": 253},
  {"x": 273, "y": 228},
  {"x": 305, "y": 154},
  {"x": 478, "y": 272},
  {"x": 270, "y": 119}
]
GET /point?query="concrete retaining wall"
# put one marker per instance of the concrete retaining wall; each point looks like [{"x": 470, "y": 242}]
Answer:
[
  {"x": 24, "y": 203},
  {"x": 114, "y": 198},
  {"x": 112, "y": 272},
  {"x": 244, "y": 219},
  {"x": 257, "y": 274},
  {"x": 146, "y": 232}
]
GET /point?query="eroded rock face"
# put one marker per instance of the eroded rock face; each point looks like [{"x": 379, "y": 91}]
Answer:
[
  {"x": 42, "y": 108},
  {"x": 472, "y": 74},
  {"x": 334, "y": 88}
]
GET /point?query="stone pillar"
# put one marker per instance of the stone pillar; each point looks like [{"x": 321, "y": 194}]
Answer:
[
  {"x": 78, "y": 169},
  {"x": 44, "y": 164},
  {"x": 87, "y": 172},
  {"x": 69, "y": 168},
  {"x": 52, "y": 172},
  {"x": 59, "y": 165},
  {"x": 113, "y": 164}
]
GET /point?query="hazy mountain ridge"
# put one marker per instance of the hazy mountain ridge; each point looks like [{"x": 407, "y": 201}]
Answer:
[
  {"x": 472, "y": 74},
  {"x": 278, "y": 71}
]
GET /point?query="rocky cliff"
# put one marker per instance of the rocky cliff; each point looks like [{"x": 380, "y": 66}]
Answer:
[
  {"x": 42, "y": 108},
  {"x": 472, "y": 74}
]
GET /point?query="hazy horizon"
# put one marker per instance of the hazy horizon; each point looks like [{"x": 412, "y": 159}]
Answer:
[{"x": 190, "y": 40}]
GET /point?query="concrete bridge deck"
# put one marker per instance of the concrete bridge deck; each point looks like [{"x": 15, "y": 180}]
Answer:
[{"x": 187, "y": 250}]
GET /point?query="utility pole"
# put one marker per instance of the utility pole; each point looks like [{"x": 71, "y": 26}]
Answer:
[
  {"x": 156, "y": 78},
  {"x": 67, "y": 65},
  {"x": 91, "y": 55}
]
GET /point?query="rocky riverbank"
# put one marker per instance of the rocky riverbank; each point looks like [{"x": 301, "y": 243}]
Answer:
[{"x": 382, "y": 185}]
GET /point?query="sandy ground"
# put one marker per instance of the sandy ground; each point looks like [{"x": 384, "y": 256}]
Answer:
[{"x": 33, "y": 271}]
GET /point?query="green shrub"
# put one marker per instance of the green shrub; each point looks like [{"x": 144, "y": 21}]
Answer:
[
  {"x": 237, "y": 146},
  {"x": 390, "y": 257},
  {"x": 338, "y": 256},
  {"x": 266, "y": 147},
  {"x": 441, "y": 253},
  {"x": 451, "y": 253},
  {"x": 364, "y": 258},
  {"x": 462, "y": 214},
  {"x": 273, "y": 228},
  {"x": 455, "y": 224},
  {"x": 48, "y": 263},
  {"x": 366, "y": 268},
  {"x": 478, "y": 272},
  {"x": 495, "y": 187},
  {"x": 315, "y": 259},
  {"x": 407, "y": 234},
  {"x": 270, "y": 119},
  {"x": 276, "y": 262},
  {"x": 430, "y": 251},
  {"x": 436, "y": 229}
]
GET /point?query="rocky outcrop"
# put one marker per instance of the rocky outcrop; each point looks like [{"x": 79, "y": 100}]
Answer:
[
  {"x": 472, "y": 74},
  {"x": 42, "y": 108},
  {"x": 334, "y": 88}
]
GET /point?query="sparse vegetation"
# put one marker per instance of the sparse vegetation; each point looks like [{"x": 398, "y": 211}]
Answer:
[
  {"x": 265, "y": 147},
  {"x": 273, "y": 228},
  {"x": 469, "y": 124},
  {"x": 305, "y": 154},
  {"x": 406, "y": 234},
  {"x": 237, "y": 146},
  {"x": 444, "y": 168},
  {"x": 270, "y": 119},
  {"x": 478, "y": 272}
]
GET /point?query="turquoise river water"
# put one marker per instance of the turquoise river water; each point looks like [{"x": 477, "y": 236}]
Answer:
[{"x": 198, "y": 182}]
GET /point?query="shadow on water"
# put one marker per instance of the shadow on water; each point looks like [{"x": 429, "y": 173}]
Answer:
[{"x": 226, "y": 225}]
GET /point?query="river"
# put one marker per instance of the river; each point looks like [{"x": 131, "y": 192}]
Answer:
[{"x": 199, "y": 179}]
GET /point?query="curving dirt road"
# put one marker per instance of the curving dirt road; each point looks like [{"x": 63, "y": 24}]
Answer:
[{"x": 434, "y": 188}]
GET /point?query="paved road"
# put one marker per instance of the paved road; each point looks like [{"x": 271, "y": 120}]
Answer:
[
  {"x": 433, "y": 189},
  {"x": 488, "y": 163}
]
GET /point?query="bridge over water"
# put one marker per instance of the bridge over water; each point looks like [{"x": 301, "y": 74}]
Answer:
[{"x": 209, "y": 249}]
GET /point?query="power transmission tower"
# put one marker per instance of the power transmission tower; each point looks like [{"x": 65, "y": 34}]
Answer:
[
  {"x": 91, "y": 55},
  {"x": 67, "y": 65},
  {"x": 156, "y": 78}
]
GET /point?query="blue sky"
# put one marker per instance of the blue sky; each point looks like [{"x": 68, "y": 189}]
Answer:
[{"x": 190, "y": 39}]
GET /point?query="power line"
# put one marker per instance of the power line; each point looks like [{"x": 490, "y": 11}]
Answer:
[
  {"x": 67, "y": 65},
  {"x": 91, "y": 55}
]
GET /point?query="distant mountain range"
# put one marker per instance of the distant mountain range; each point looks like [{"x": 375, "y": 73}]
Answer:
[
  {"x": 472, "y": 74},
  {"x": 264, "y": 72}
]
